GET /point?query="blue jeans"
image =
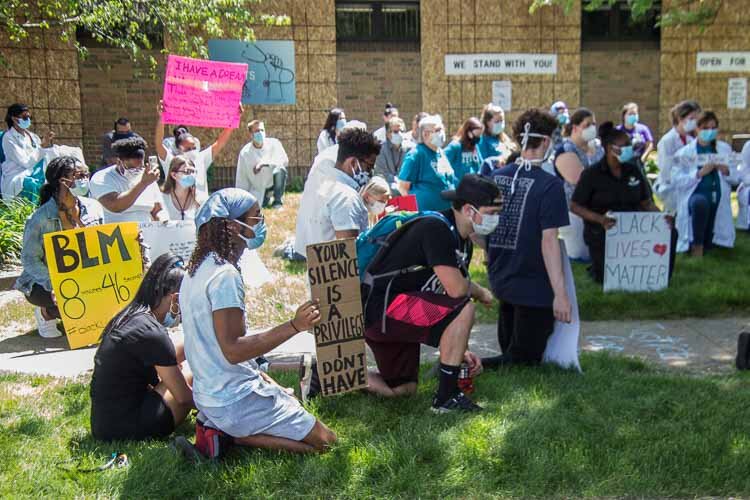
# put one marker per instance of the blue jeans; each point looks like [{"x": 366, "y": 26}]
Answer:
[
  {"x": 279, "y": 186},
  {"x": 703, "y": 214}
]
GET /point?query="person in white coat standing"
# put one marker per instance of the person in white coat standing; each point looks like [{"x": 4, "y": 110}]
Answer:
[
  {"x": 702, "y": 190},
  {"x": 262, "y": 165},
  {"x": 681, "y": 134}
]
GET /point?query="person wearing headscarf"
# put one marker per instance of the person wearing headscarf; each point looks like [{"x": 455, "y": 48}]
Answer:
[{"x": 233, "y": 395}]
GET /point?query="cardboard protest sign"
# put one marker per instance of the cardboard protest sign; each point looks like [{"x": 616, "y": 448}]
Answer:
[
  {"x": 95, "y": 272},
  {"x": 339, "y": 337},
  {"x": 176, "y": 236},
  {"x": 203, "y": 93},
  {"x": 636, "y": 255}
]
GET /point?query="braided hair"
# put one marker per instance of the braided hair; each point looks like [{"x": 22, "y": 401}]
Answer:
[
  {"x": 164, "y": 277},
  {"x": 215, "y": 236},
  {"x": 62, "y": 166}
]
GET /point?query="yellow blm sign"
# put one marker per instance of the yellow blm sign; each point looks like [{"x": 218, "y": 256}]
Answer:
[
  {"x": 339, "y": 337},
  {"x": 95, "y": 272}
]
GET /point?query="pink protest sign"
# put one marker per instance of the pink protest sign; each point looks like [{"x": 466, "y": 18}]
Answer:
[{"x": 203, "y": 93}]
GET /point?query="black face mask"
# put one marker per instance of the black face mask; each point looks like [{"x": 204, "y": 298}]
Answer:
[
  {"x": 122, "y": 135},
  {"x": 474, "y": 140}
]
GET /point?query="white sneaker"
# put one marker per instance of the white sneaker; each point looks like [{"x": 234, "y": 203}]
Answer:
[{"x": 47, "y": 328}]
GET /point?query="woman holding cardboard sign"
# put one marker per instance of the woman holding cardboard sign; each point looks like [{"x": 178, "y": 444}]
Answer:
[
  {"x": 614, "y": 184},
  {"x": 139, "y": 389},
  {"x": 62, "y": 205}
]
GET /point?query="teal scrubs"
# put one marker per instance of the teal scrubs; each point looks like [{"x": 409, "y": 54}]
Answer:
[
  {"x": 490, "y": 146},
  {"x": 421, "y": 169},
  {"x": 463, "y": 162}
]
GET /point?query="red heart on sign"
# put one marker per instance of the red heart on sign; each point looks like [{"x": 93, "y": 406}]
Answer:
[{"x": 660, "y": 249}]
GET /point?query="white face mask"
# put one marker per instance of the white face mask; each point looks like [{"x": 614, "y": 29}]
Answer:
[
  {"x": 690, "y": 125},
  {"x": 376, "y": 207},
  {"x": 396, "y": 138},
  {"x": 488, "y": 224},
  {"x": 133, "y": 175},
  {"x": 589, "y": 133},
  {"x": 438, "y": 139}
]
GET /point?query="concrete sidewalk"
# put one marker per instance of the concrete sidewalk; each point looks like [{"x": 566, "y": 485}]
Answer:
[{"x": 699, "y": 346}]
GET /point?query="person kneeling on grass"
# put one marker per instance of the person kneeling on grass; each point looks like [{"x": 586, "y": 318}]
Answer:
[
  {"x": 138, "y": 389},
  {"x": 230, "y": 391},
  {"x": 427, "y": 299}
]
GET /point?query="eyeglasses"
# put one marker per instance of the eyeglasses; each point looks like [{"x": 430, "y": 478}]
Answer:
[{"x": 186, "y": 172}]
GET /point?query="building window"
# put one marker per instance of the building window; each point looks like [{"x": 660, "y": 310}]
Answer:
[
  {"x": 615, "y": 24},
  {"x": 377, "y": 21}
]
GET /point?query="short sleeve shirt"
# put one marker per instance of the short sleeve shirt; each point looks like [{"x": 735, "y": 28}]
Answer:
[
  {"x": 640, "y": 135},
  {"x": 517, "y": 272},
  {"x": 429, "y": 173},
  {"x": 203, "y": 161},
  {"x": 109, "y": 180},
  {"x": 463, "y": 162}
]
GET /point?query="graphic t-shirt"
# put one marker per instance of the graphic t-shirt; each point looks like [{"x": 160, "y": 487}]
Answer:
[
  {"x": 429, "y": 242},
  {"x": 429, "y": 173},
  {"x": 517, "y": 272},
  {"x": 463, "y": 162},
  {"x": 640, "y": 135},
  {"x": 124, "y": 367}
]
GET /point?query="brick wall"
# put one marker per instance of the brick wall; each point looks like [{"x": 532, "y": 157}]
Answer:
[
  {"x": 492, "y": 26},
  {"x": 366, "y": 80},
  {"x": 679, "y": 80},
  {"x": 611, "y": 78},
  {"x": 42, "y": 72}
]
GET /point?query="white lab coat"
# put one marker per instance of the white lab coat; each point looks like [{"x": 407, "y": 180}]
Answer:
[
  {"x": 743, "y": 191},
  {"x": 270, "y": 153},
  {"x": 667, "y": 147},
  {"x": 22, "y": 152},
  {"x": 324, "y": 141},
  {"x": 684, "y": 180}
]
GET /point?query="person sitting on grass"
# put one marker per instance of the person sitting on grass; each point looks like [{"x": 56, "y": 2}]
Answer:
[
  {"x": 432, "y": 304},
  {"x": 62, "y": 205},
  {"x": 139, "y": 389},
  {"x": 231, "y": 392}
]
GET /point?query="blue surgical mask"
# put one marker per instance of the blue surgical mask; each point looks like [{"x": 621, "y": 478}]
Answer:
[
  {"x": 631, "y": 119},
  {"x": 171, "y": 319},
  {"x": 498, "y": 127},
  {"x": 24, "y": 123},
  {"x": 80, "y": 187},
  {"x": 708, "y": 135},
  {"x": 258, "y": 137},
  {"x": 396, "y": 139},
  {"x": 626, "y": 154},
  {"x": 563, "y": 118},
  {"x": 260, "y": 234},
  {"x": 187, "y": 181},
  {"x": 438, "y": 139},
  {"x": 340, "y": 124}
]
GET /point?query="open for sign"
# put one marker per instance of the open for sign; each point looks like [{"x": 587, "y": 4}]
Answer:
[
  {"x": 95, "y": 272},
  {"x": 339, "y": 337}
]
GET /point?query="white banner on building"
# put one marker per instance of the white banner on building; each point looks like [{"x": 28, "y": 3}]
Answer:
[
  {"x": 636, "y": 257},
  {"x": 500, "y": 64},
  {"x": 502, "y": 94},
  {"x": 737, "y": 93},
  {"x": 718, "y": 62}
]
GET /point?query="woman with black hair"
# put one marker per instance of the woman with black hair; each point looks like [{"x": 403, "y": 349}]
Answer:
[
  {"x": 138, "y": 389},
  {"x": 62, "y": 205},
  {"x": 22, "y": 149},
  {"x": 389, "y": 112},
  {"x": 702, "y": 174},
  {"x": 614, "y": 184},
  {"x": 335, "y": 123}
]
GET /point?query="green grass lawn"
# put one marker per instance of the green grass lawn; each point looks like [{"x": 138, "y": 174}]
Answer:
[
  {"x": 622, "y": 428},
  {"x": 714, "y": 286}
]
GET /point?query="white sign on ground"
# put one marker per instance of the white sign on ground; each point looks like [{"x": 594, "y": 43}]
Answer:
[
  {"x": 719, "y": 62},
  {"x": 636, "y": 257},
  {"x": 500, "y": 64},
  {"x": 502, "y": 93},
  {"x": 737, "y": 93}
]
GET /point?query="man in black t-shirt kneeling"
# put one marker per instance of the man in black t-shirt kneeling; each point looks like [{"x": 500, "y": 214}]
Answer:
[{"x": 432, "y": 305}]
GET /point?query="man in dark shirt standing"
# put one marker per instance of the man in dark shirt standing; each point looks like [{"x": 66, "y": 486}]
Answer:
[
  {"x": 121, "y": 130},
  {"x": 525, "y": 258},
  {"x": 432, "y": 305}
]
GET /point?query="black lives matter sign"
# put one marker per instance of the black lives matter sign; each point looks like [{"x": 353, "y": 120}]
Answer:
[{"x": 339, "y": 337}]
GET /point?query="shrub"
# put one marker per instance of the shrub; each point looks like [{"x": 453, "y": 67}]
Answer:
[{"x": 13, "y": 215}]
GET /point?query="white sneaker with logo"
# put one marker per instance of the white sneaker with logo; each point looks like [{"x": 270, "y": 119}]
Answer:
[{"x": 47, "y": 328}]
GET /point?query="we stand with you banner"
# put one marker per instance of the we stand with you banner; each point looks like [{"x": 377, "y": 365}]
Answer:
[
  {"x": 95, "y": 273},
  {"x": 339, "y": 337},
  {"x": 203, "y": 93}
]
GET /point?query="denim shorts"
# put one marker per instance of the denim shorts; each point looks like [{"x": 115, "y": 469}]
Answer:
[{"x": 278, "y": 414}]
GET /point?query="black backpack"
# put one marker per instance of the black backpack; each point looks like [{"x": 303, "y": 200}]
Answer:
[{"x": 743, "y": 351}]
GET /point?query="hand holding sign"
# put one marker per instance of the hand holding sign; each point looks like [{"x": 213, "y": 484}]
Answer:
[{"x": 307, "y": 316}]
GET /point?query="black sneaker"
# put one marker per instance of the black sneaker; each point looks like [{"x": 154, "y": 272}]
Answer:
[
  {"x": 309, "y": 382},
  {"x": 459, "y": 402},
  {"x": 186, "y": 449}
]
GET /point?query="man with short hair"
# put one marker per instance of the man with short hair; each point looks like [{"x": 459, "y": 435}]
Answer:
[
  {"x": 331, "y": 206},
  {"x": 262, "y": 166},
  {"x": 127, "y": 190},
  {"x": 120, "y": 130}
]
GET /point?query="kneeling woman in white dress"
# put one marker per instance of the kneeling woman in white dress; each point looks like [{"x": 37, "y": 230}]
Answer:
[{"x": 702, "y": 189}]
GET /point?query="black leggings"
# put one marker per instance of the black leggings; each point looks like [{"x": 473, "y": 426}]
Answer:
[
  {"x": 522, "y": 332},
  {"x": 42, "y": 298}
]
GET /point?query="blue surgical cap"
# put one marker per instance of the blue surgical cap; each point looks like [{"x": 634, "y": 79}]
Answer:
[{"x": 229, "y": 203}]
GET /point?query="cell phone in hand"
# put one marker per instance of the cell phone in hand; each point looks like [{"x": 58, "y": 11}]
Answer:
[{"x": 153, "y": 162}]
